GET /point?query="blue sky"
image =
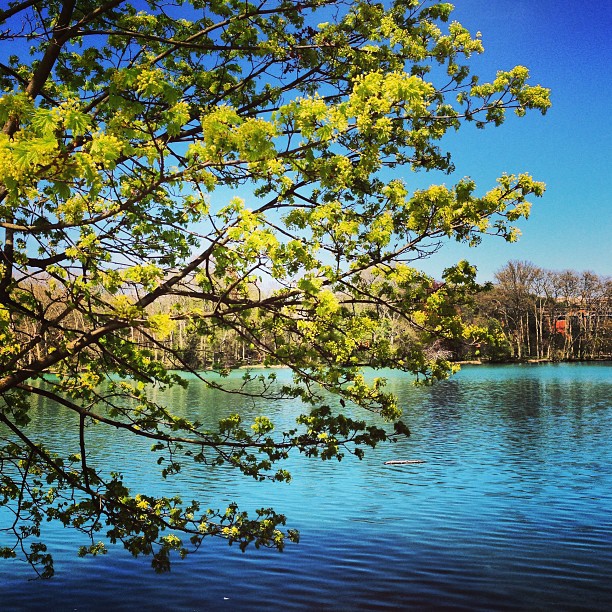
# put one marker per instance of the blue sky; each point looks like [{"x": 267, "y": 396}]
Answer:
[{"x": 567, "y": 47}]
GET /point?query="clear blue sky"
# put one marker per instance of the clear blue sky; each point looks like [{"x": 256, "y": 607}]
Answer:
[{"x": 568, "y": 48}]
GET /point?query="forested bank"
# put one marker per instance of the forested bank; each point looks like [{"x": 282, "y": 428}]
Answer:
[
  {"x": 543, "y": 314},
  {"x": 528, "y": 312}
]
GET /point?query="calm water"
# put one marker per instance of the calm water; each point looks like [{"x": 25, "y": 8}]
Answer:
[{"x": 512, "y": 509}]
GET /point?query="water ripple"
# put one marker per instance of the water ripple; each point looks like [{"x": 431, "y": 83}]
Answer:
[{"x": 511, "y": 510}]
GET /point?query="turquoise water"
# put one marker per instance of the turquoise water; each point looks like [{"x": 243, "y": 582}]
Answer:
[{"x": 511, "y": 509}]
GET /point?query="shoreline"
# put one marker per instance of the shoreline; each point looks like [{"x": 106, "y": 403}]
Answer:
[{"x": 467, "y": 362}]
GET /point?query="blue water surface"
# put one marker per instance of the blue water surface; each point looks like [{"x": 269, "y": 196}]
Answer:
[{"x": 511, "y": 508}]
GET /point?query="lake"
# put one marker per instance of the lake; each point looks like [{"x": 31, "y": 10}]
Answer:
[{"x": 511, "y": 509}]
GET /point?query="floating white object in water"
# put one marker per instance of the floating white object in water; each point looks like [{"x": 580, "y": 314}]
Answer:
[{"x": 403, "y": 461}]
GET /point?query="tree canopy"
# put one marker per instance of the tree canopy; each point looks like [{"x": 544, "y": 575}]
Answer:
[{"x": 246, "y": 160}]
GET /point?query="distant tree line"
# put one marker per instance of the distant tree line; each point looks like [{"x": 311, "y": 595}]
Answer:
[
  {"x": 173, "y": 338},
  {"x": 533, "y": 313},
  {"x": 528, "y": 312}
]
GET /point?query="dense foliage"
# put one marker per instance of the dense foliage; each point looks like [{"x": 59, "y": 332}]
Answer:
[{"x": 202, "y": 150}]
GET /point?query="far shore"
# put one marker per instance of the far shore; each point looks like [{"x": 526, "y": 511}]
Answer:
[{"x": 476, "y": 362}]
